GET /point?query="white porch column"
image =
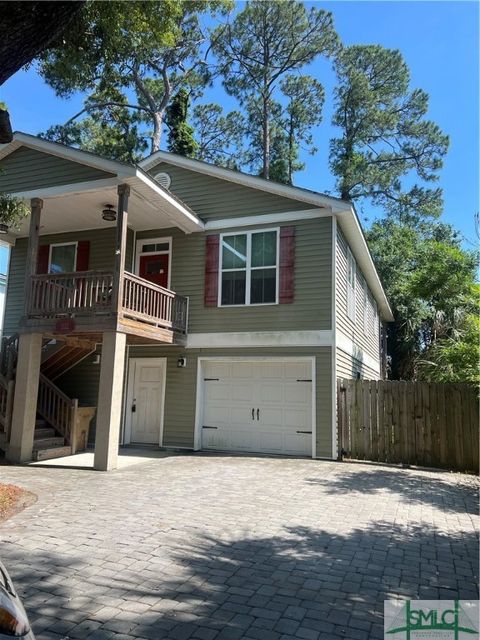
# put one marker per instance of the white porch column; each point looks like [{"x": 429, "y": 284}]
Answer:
[
  {"x": 25, "y": 398},
  {"x": 109, "y": 412}
]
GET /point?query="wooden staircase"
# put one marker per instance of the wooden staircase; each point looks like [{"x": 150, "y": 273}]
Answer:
[
  {"x": 47, "y": 444},
  {"x": 61, "y": 357},
  {"x": 54, "y": 434}
]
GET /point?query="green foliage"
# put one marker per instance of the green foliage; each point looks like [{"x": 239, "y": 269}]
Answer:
[
  {"x": 385, "y": 137},
  {"x": 141, "y": 52},
  {"x": 111, "y": 131},
  {"x": 12, "y": 210},
  {"x": 454, "y": 359},
  {"x": 180, "y": 135},
  {"x": 429, "y": 280},
  {"x": 265, "y": 42},
  {"x": 219, "y": 137}
]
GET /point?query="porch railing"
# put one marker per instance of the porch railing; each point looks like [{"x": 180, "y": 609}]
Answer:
[
  {"x": 89, "y": 293},
  {"x": 81, "y": 293}
]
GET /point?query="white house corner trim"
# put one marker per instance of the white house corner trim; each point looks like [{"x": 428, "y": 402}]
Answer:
[{"x": 334, "y": 340}]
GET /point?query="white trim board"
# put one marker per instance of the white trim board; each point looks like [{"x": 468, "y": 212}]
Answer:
[
  {"x": 334, "y": 341},
  {"x": 346, "y": 344},
  {"x": 197, "y": 437},
  {"x": 260, "y": 339},
  {"x": 267, "y": 218}
]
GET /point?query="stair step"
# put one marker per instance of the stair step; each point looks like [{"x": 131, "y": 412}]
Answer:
[
  {"x": 53, "y": 452},
  {"x": 44, "y": 432},
  {"x": 47, "y": 443}
]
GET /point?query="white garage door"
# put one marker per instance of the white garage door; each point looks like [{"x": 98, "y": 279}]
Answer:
[{"x": 260, "y": 406}]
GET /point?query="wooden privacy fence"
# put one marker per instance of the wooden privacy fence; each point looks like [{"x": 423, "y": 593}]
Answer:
[{"x": 421, "y": 423}]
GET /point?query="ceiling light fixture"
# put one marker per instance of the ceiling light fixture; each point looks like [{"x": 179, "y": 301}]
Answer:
[{"x": 109, "y": 214}]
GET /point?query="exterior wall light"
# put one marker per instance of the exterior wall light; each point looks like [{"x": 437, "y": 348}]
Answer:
[{"x": 109, "y": 214}]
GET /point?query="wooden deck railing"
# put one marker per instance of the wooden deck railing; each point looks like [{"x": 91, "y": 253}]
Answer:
[
  {"x": 148, "y": 302},
  {"x": 7, "y": 390},
  {"x": 89, "y": 293},
  {"x": 56, "y": 407}
]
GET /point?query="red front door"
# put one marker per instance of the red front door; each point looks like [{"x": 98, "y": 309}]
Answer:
[{"x": 155, "y": 268}]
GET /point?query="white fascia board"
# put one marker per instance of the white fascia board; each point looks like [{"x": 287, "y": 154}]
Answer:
[
  {"x": 350, "y": 226},
  {"x": 193, "y": 223},
  {"x": 268, "y": 218},
  {"x": 69, "y": 153},
  {"x": 286, "y": 191},
  {"x": 260, "y": 339},
  {"x": 346, "y": 344}
]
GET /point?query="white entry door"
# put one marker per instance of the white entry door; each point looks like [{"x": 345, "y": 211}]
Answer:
[
  {"x": 259, "y": 406},
  {"x": 146, "y": 398}
]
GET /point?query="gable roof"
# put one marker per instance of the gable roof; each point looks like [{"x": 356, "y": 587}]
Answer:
[
  {"x": 91, "y": 172},
  {"x": 343, "y": 210}
]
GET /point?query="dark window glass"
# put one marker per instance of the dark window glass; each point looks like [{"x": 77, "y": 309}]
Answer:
[
  {"x": 264, "y": 285},
  {"x": 234, "y": 252},
  {"x": 233, "y": 287},
  {"x": 264, "y": 249}
]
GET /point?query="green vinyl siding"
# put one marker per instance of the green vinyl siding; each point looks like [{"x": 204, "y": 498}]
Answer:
[
  {"x": 367, "y": 341},
  {"x": 26, "y": 169},
  {"x": 311, "y": 309},
  {"x": 181, "y": 389},
  {"x": 102, "y": 257},
  {"x": 349, "y": 367},
  {"x": 215, "y": 198}
]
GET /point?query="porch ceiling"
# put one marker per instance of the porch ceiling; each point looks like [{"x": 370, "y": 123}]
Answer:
[{"x": 82, "y": 210}]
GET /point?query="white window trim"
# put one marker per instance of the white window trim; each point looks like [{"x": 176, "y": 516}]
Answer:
[
  {"x": 351, "y": 308},
  {"x": 248, "y": 269},
  {"x": 63, "y": 244},
  {"x": 139, "y": 253}
]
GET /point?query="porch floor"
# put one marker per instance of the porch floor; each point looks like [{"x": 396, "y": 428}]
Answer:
[{"x": 127, "y": 457}]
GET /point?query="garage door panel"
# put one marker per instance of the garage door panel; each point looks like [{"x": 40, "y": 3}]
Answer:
[
  {"x": 271, "y": 386},
  {"x": 298, "y": 392},
  {"x": 243, "y": 391}
]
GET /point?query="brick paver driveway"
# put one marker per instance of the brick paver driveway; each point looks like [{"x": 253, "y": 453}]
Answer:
[{"x": 219, "y": 547}]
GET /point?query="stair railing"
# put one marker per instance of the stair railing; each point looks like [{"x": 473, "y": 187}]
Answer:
[
  {"x": 9, "y": 356},
  {"x": 57, "y": 409}
]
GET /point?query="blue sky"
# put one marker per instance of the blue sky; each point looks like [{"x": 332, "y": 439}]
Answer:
[{"x": 439, "y": 41}]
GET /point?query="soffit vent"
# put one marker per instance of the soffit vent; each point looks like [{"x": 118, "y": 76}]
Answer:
[{"x": 163, "y": 179}]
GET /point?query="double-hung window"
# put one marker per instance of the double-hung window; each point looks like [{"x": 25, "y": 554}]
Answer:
[
  {"x": 249, "y": 268},
  {"x": 63, "y": 258},
  {"x": 351, "y": 276}
]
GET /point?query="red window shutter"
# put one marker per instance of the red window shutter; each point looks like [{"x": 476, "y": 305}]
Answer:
[
  {"x": 211, "y": 270},
  {"x": 42, "y": 258},
  {"x": 287, "y": 265},
  {"x": 83, "y": 255}
]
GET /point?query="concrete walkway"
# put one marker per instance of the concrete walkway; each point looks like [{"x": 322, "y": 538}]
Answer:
[{"x": 222, "y": 547}]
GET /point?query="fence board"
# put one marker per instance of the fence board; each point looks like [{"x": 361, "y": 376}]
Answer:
[{"x": 428, "y": 424}]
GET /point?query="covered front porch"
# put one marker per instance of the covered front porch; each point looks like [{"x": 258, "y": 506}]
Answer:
[{"x": 111, "y": 307}]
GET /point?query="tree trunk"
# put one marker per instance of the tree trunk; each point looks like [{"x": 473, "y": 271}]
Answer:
[
  {"x": 28, "y": 28},
  {"x": 266, "y": 139},
  {"x": 157, "y": 118}
]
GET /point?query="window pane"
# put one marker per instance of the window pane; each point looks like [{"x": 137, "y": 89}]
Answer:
[
  {"x": 148, "y": 248},
  {"x": 264, "y": 249},
  {"x": 264, "y": 286},
  {"x": 63, "y": 259},
  {"x": 234, "y": 252},
  {"x": 162, "y": 246},
  {"x": 233, "y": 287}
]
